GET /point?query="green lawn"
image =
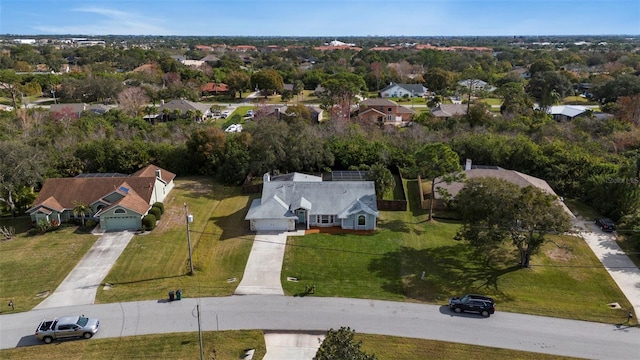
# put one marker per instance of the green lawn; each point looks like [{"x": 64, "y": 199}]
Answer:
[
  {"x": 216, "y": 345},
  {"x": 232, "y": 345},
  {"x": 155, "y": 263},
  {"x": 31, "y": 265},
  {"x": 389, "y": 264}
]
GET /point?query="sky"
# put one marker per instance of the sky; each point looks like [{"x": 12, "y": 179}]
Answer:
[{"x": 332, "y": 18}]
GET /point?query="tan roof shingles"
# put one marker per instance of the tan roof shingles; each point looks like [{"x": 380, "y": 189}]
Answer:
[
  {"x": 132, "y": 201},
  {"x": 69, "y": 191},
  {"x": 150, "y": 171}
]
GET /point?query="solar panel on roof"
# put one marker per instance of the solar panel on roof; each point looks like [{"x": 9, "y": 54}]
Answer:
[{"x": 124, "y": 189}]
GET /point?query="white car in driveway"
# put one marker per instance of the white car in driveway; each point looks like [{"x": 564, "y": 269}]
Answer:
[{"x": 234, "y": 128}]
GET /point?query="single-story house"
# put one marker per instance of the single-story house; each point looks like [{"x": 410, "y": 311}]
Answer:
[
  {"x": 299, "y": 199},
  {"x": 476, "y": 85},
  {"x": 184, "y": 106},
  {"x": 117, "y": 201},
  {"x": 447, "y": 111},
  {"x": 400, "y": 90},
  {"x": 212, "y": 88},
  {"x": 568, "y": 112},
  {"x": 512, "y": 176},
  {"x": 384, "y": 111},
  {"x": 76, "y": 109}
]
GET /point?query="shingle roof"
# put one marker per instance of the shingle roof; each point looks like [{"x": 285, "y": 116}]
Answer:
[
  {"x": 413, "y": 88},
  {"x": 570, "y": 111},
  {"x": 512, "y": 176},
  {"x": 378, "y": 102},
  {"x": 449, "y": 110},
  {"x": 184, "y": 106},
  {"x": 321, "y": 198},
  {"x": 64, "y": 193}
]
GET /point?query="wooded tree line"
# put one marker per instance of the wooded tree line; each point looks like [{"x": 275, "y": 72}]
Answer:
[{"x": 591, "y": 159}]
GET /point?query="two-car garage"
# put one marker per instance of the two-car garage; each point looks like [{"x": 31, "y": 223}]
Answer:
[
  {"x": 119, "y": 223},
  {"x": 272, "y": 224}
]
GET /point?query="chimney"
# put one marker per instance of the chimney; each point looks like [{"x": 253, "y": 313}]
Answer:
[
  {"x": 266, "y": 177},
  {"x": 467, "y": 165},
  {"x": 158, "y": 174}
]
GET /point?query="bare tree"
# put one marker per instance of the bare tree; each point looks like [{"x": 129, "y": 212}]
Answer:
[{"x": 132, "y": 100}]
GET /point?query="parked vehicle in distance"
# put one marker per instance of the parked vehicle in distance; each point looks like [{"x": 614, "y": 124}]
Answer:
[
  {"x": 606, "y": 224},
  {"x": 234, "y": 128},
  {"x": 480, "y": 304},
  {"x": 67, "y": 327},
  {"x": 225, "y": 114}
]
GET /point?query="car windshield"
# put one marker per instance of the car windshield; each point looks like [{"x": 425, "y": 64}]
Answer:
[
  {"x": 82, "y": 321},
  {"x": 464, "y": 299}
]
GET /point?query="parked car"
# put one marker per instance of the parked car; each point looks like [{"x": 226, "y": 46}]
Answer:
[
  {"x": 67, "y": 327},
  {"x": 234, "y": 128},
  {"x": 606, "y": 224},
  {"x": 225, "y": 114},
  {"x": 480, "y": 304}
]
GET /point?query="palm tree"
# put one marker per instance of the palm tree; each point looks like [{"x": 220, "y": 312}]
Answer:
[{"x": 81, "y": 210}]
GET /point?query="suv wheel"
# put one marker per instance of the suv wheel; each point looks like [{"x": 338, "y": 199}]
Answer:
[
  {"x": 485, "y": 313},
  {"x": 458, "y": 310},
  {"x": 47, "y": 339},
  {"x": 87, "y": 335}
]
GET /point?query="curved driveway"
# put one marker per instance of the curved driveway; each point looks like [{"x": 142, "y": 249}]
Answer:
[{"x": 273, "y": 312}]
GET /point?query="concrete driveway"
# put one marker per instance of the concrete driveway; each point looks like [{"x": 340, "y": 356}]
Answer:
[
  {"x": 623, "y": 271},
  {"x": 262, "y": 272},
  {"x": 79, "y": 287}
]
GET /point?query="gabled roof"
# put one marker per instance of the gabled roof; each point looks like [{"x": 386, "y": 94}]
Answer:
[
  {"x": 512, "y": 176},
  {"x": 570, "y": 111},
  {"x": 184, "y": 106},
  {"x": 449, "y": 110},
  {"x": 378, "y": 102},
  {"x": 214, "y": 87},
  {"x": 280, "y": 198},
  {"x": 412, "y": 88},
  {"x": 61, "y": 194},
  {"x": 131, "y": 200}
]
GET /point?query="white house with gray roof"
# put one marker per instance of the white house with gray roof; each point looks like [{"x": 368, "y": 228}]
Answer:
[
  {"x": 299, "y": 199},
  {"x": 400, "y": 90}
]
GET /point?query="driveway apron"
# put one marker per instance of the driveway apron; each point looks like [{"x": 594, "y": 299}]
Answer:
[
  {"x": 623, "y": 271},
  {"x": 262, "y": 272},
  {"x": 79, "y": 287}
]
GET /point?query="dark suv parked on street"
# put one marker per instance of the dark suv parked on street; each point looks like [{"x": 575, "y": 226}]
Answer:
[
  {"x": 606, "y": 224},
  {"x": 480, "y": 304}
]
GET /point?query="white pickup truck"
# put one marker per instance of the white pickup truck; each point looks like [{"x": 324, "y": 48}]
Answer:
[{"x": 67, "y": 327}]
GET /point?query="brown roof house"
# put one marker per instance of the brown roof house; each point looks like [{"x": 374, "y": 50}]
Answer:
[
  {"x": 384, "y": 111},
  {"x": 117, "y": 201},
  {"x": 512, "y": 176}
]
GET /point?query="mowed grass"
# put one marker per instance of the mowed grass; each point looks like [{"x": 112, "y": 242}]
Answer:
[
  {"x": 158, "y": 262},
  {"x": 216, "y": 345},
  {"x": 30, "y": 265},
  {"x": 397, "y": 348},
  {"x": 411, "y": 259},
  {"x": 232, "y": 345}
]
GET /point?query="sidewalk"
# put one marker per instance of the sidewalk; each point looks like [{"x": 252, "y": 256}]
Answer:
[{"x": 623, "y": 271}]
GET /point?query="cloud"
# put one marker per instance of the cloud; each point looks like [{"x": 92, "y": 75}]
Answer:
[{"x": 103, "y": 21}]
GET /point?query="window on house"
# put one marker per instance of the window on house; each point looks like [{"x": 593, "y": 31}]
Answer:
[
  {"x": 362, "y": 220},
  {"x": 119, "y": 211}
]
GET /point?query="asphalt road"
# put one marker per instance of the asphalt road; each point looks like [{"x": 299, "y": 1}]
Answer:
[{"x": 273, "y": 312}]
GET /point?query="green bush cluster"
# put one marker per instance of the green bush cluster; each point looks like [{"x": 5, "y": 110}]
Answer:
[
  {"x": 149, "y": 222},
  {"x": 155, "y": 211},
  {"x": 160, "y": 206}
]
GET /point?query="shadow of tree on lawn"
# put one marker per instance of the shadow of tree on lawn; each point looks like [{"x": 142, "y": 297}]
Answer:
[{"x": 435, "y": 274}]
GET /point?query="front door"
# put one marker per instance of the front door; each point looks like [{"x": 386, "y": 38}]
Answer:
[{"x": 302, "y": 216}]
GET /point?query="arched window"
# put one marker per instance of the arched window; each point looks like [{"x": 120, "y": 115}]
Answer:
[
  {"x": 119, "y": 211},
  {"x": 362, "y": 220}
]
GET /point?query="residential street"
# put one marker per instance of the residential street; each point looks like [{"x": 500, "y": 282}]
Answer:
[{"x": 505, "y": 330}]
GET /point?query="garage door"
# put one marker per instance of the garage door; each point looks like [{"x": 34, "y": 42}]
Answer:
[
  {"x": 270, "y": 225},
  {"x": 122, "y": 223}
]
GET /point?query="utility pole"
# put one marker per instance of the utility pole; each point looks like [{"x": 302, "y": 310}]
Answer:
[{"x": 189, "y": 219}]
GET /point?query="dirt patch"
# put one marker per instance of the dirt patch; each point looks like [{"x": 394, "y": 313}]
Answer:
[
  {"x": 172, "y": 217},
  {"x": 559, "y": 254}
]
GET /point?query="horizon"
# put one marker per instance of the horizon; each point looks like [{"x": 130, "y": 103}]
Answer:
[{"x": 321, "y": 18}]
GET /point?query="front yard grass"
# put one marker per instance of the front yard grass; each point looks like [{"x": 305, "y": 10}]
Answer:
[
  {"x": 32, "y": 265},
  {"x": 232, "y": 345},
  {"x": 411, "y": 259},
  {"x": 158, "y": 262},
  {"x": 216, "y": 345}
]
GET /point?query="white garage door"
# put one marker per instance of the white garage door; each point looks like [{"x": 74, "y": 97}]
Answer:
[
  {"x": 270, "y": 225},
  {"x": 122, "y": 223}
]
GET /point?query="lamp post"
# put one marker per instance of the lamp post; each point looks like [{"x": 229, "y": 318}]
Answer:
[{"x": 189, "y": 219}]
